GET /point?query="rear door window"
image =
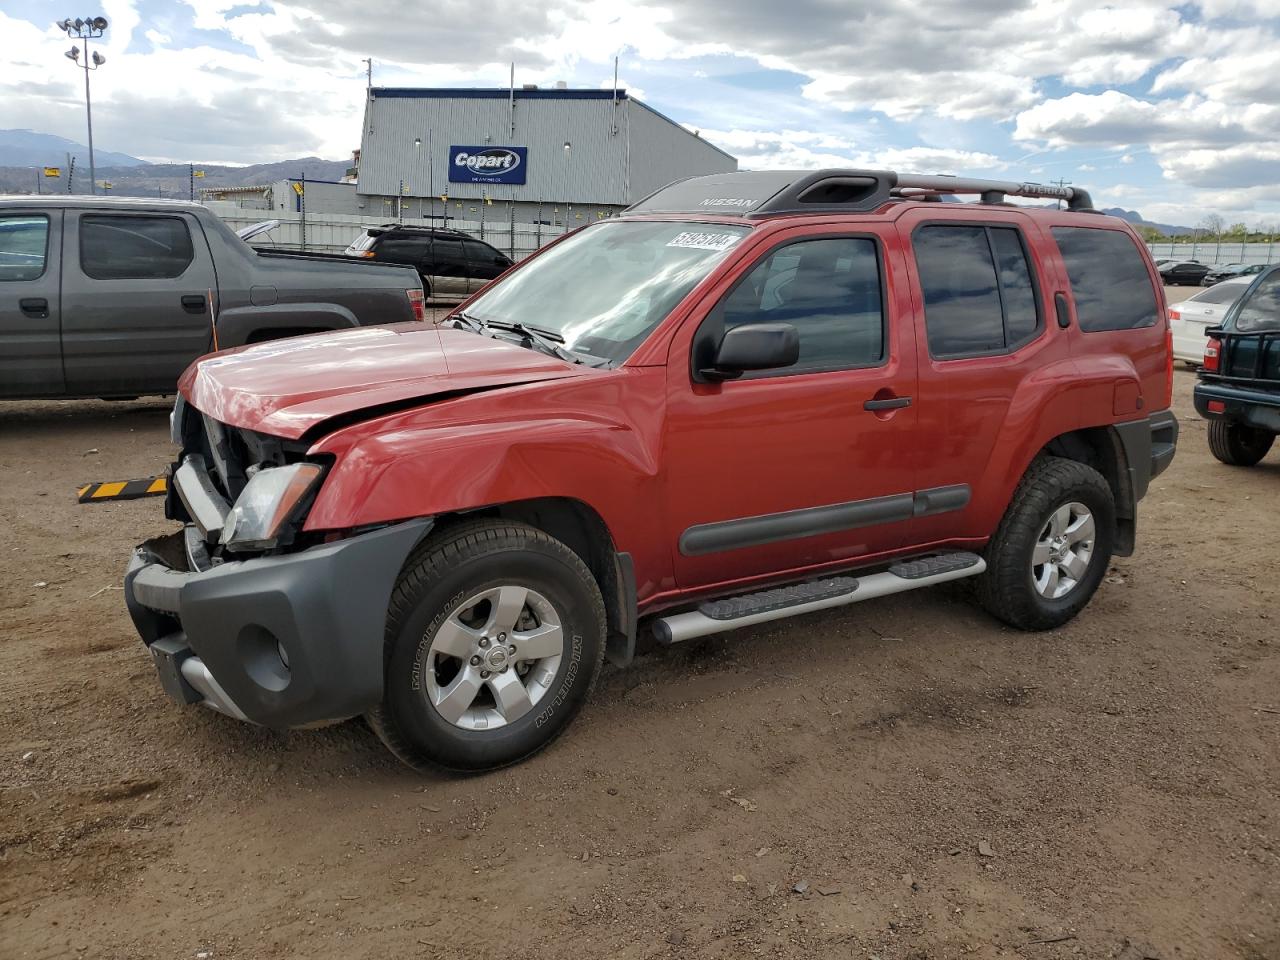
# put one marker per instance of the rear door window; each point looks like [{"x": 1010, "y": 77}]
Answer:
[
  {"x": 1261, "y": 311},
  {"x": 114, "y": 247},
  {"x": 448, "y": 257},
  {"x": 24, "y": 245},
  {"x": 979, "y": 289},
  {"x": 1109, "y": 279}
]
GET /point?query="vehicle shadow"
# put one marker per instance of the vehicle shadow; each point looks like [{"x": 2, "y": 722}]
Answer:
[{"x": 58, "y": 416}]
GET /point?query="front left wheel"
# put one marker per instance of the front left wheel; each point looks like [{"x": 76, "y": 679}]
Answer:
[{"x": 495, "y": 637}]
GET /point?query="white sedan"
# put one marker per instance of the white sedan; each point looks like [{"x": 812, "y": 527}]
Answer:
[{"x": 1203, "y": 309}]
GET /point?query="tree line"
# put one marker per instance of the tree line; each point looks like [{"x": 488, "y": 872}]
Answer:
[{"x": 1213, "y": 228}]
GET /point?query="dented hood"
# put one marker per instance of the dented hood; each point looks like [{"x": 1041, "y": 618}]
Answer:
[{"x": 286, "y": 387}]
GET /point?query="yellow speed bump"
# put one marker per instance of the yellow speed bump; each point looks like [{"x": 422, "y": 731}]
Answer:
[{"x": 123, "y": 489}]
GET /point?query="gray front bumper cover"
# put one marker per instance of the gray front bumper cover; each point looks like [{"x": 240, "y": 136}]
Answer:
[{"x": 214, "y": 633}]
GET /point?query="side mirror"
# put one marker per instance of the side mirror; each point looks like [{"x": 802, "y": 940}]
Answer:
[{"x": 754, "y": 346}]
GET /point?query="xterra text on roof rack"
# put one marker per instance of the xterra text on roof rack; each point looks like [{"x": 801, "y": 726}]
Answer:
[{"x": 753, "y": 396}]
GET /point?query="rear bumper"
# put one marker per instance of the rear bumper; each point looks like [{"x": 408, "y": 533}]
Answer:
[
  {"x": 1254, "y": 408},
  {"x": 1149, "y": 447},
  {"x": 281, "y": 641}
]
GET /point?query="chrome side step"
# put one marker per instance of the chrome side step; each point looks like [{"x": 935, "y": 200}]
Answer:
[{"x": 716, "y": 616}]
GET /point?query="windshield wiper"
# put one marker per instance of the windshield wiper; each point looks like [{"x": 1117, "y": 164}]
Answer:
[
  {"x": 465, "y": 321},
  {"x": 544, "y": 340}
]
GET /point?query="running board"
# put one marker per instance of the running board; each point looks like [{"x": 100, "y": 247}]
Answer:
[{"x": 716, "y": 616}]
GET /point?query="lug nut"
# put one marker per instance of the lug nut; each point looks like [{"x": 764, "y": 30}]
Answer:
[
  {"x": 502, "y": 638},
  {"x": 484, "y": 641},
  {"x": 475, "y": 661},
  {"x": 484, "y": 674},
  {"x": 512, "y": 649}
]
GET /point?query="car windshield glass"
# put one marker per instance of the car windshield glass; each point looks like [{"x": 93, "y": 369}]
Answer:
[{"x": 603, "y": 290}]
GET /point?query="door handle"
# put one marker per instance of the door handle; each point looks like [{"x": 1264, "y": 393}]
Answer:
[
  {"x": 37, "y": 307},
  {"x": 193, "y": 303},
  {"x": 889, "y": 403}
]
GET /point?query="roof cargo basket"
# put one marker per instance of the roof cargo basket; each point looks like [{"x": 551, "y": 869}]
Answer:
[{"x": 771, "y": 193}]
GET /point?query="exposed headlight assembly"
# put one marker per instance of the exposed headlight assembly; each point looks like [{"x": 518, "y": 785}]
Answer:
[{"x": 269, "y": 501}]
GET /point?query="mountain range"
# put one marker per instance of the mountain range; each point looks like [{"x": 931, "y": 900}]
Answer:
[
  {"x": 25, "y": 153},
  {"x": 27, "y": 148}
]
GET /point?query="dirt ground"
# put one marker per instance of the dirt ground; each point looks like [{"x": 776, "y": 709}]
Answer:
[{"x": 938, "y": 786}]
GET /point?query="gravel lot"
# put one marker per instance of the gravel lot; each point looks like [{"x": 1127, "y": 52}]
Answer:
[{"x": 937, "y": 786}]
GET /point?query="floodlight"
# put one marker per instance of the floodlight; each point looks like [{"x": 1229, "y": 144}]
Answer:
[
  {"x": 73, "y": 54},
  {"x": 99, "y": 23},
  {"x": 79, "y": 23},
  {"x": 98, "y": 59}
]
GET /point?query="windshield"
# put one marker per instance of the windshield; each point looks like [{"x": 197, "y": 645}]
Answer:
[{"x": 603, "y": 290}]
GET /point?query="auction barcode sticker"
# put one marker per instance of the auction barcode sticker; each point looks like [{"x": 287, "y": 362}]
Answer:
[{"x": 705, "y": 241}]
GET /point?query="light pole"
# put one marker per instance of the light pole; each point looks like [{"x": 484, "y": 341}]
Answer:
[
  {"x": 567, "y": 148},
  {"x": 417, "y": 163},
  {"x": 86, "y": 30}
]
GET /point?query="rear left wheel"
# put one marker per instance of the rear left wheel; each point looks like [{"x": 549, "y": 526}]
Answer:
[
  {"x": 495, "y": 637},
  {"x": 1052, "y": 547}
]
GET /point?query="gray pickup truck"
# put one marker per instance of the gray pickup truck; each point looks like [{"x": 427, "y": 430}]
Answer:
[{"x": 114, "y": 297}]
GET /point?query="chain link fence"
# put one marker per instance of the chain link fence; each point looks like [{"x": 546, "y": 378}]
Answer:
[
  {"x": 333, "y": 233},
  {"x": 1217, "y": 252}
]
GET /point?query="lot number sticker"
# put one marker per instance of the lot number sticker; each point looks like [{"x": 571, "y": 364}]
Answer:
[{"x": 704, "y": 241}]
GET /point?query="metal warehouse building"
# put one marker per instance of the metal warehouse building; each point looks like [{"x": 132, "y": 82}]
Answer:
[{"x": 550, "y": 156}]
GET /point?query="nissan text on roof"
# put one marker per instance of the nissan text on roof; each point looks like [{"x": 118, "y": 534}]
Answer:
[{"x": 752, "y": 396}]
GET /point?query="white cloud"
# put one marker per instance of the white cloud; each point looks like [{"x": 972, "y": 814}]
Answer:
[{"x": 808, "y": 150}]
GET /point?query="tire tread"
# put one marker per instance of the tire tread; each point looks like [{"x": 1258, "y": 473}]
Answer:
[{"x": 439, "y": 552}]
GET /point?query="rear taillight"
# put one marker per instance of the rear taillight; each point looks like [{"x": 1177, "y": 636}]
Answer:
[
  {"x": 1174, "y": 315},
  {"x": 368, "y": 254},
  {"x": 1212, "y": 355},
  {"x": 418, "y": 304},
  {"x": 1168, "y": 366}
]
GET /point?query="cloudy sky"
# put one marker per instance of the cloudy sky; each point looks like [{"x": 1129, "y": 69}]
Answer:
[{"x": 1171, "y": 109}]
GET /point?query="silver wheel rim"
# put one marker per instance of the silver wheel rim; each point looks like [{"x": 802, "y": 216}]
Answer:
[
  {"x": 1062, "y": 551},
  {"x": 494, "y": 657}
]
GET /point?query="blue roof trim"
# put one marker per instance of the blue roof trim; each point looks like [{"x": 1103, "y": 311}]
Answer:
[{"x": 491, "y": 93}]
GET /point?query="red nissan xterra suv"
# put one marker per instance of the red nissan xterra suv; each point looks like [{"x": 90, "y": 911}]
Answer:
[{"x": 753, "y": 395}]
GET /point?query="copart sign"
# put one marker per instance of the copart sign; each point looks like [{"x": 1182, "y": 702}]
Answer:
[{"x": 488, "y": 164}]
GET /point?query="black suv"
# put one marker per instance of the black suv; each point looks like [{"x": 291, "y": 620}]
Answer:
[
  {"x": 450, "y": 263},
  {"x": 1239, "y": 388}
]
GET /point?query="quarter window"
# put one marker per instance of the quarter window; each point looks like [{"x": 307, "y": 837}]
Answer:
[
  {"x": 1109, "y": 279},
  {"x": 979, "y": 291},
  {"x": 134, "y": 248},
  {"x": 1262, "y": 310},
  {"x": 828, "y": 289},
  {"x": 24, "y": 244}
]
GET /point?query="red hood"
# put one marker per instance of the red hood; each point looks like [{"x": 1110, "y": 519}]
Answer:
[{"x": 285, "y": 387}]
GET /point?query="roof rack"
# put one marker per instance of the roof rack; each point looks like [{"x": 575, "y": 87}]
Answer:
[{"x": 754, "y": 194}]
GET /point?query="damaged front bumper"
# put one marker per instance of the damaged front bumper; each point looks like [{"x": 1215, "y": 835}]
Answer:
[{"x": 283, "y": 640}]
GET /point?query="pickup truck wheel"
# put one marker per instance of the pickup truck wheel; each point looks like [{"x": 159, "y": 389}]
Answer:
[
  {"x": 1238, "y": 444},
  {"x": 1052, "y": 547},
  {"x": 495, "y": 637}
]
